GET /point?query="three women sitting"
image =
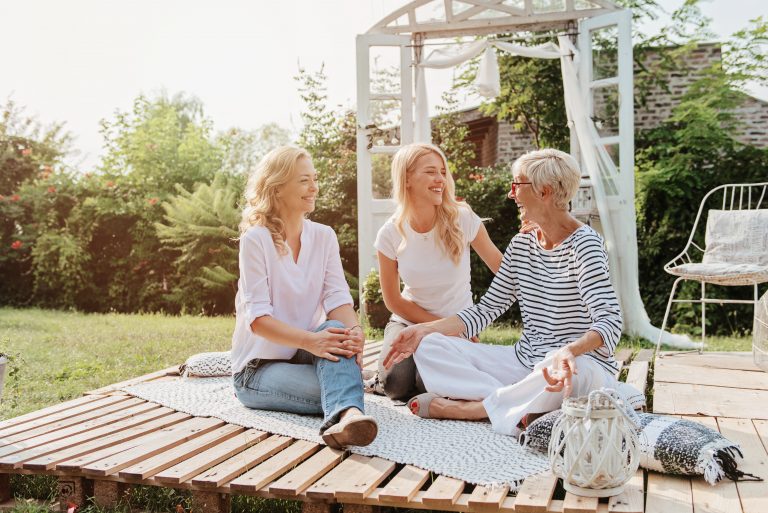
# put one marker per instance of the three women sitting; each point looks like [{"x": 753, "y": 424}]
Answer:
[{"x": 288, "y": 357}]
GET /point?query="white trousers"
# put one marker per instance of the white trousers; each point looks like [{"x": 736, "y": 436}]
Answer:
[{"x": 459, "y": 369}]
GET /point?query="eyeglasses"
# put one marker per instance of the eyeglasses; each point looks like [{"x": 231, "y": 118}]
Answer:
[{"x": 514, "y": 186}]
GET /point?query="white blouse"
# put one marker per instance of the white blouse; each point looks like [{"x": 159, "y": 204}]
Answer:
[
  {"x": 299, "y": 293},
  {"x": 432, "y": 280}
]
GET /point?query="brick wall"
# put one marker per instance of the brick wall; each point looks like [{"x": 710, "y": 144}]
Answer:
[{"x": 657, "y": 108}]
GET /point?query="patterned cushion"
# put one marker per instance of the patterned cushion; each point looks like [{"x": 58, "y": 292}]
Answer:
[
  {"x": 206, "y": 365},
  {"x": 667, "y": 444}
]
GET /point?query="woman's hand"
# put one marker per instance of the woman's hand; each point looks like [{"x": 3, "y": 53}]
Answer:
[
  {"x": 559, "y": 375},
  {"x": 334, "y": 342},
  {"x": 405, "y": 344},
  {"x": 357, "y": 338}
]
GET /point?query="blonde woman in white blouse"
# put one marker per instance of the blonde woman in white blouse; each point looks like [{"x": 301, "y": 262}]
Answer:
[
  {"x": 297, "y": 342},
  {"x": 426, "y": 245}
]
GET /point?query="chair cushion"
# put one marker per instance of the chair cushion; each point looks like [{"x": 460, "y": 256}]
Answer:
[
  {"x": 207, "y": 365},
  {"x": 722, "y": 273},
  {"x": 737, "y": 237},
  {"x": 667, "y": 444}
]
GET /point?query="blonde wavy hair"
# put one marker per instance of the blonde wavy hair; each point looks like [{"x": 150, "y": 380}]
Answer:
[
  {"x": 447, "y": 222},
  {"x": 551, "y": 167},
  {"x": 273, "y": 171}
]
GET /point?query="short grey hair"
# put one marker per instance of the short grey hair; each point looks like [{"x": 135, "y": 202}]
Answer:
[{"x": 551, "y": 167}]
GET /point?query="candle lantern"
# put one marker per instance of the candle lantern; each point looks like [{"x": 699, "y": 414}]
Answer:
[{"x": 594, "y": 444}]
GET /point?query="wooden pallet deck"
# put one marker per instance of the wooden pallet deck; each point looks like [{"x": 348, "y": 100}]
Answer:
[
  {"x": 100, "y": 444},
  {"x": 727, "y": 392}
]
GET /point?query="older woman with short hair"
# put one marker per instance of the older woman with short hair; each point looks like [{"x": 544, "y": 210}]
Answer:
[{"x": 558, "y": 273}]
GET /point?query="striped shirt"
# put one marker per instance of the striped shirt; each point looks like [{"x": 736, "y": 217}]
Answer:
[{"x": 563, "y": 293}]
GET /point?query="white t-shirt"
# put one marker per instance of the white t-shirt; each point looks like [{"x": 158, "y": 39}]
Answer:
[
  {"x": 432, "y": 280},
  {"x": 296, "y": 293}
]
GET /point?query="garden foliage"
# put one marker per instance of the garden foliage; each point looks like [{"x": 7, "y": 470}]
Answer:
[{"x": 154, "y": 226}]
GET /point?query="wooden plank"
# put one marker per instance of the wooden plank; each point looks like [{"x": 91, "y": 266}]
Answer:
[
  {"x": 753, "y": 495},
  {"x": 371, "y": 346},
  {"x": 300, "y": 478},
  {"x": 535, "y": 493},
  {"x": 211, "y": 457},
  {"x": 631, "y": 499},
  {"x": 134, "y": 451},
  {"x": 684, "y": 399},
  {"x": 247, "y": 459},
  {"x": 637, "y": 376},
  {"x": 577, "y": 504},
  {"x": 277, "y": 465},
  {"x": 712, "y": 360},
  {"x": 119, "y": 442},
  {"x": 677, "y": 373},
  {"x": 644, "y": 355},
  {"x": 72, "y": 420},
  {"x": 355, "y": 478},
  {"x": 623, "y": 355},
  {"x": 761, "y": 426},
  {"x": 183, "y": 452},
  {"x": 21, "y": 419},
  {"x": 487, "y": 498},
  {"x": 61, "y": 415},
  {"x": 668, "y": 494},
  {"x": 170, "y": 371},
  {"x": 103, "y": 446},
  {"x": 96, "y": 434},
  {"x": 443, "y": 492},
  {"x": 89, "y": 425},
  {"x": 404, "y": 486}
]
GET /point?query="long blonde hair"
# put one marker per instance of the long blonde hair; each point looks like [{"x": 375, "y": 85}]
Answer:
[
  {"x": 447, "y": 219},
  {"x": 273, "y": 171}
]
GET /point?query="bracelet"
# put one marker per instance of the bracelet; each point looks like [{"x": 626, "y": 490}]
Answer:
[{"x": 355, "y": 326}]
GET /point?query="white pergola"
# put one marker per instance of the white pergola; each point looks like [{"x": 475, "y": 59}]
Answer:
[{"x": 605, "y": 148}]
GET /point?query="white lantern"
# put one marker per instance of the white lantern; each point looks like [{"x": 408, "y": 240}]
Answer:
[{"x": 594, "y": 444}]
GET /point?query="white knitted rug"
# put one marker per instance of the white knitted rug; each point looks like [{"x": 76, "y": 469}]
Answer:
[{"x": 469, "y": 451}]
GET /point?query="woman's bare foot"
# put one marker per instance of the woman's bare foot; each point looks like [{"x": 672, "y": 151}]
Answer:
[{"x": 444, "y": 408}]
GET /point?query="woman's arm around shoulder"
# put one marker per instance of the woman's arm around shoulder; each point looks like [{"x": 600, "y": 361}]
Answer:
[{"x": 487, "y": 250}]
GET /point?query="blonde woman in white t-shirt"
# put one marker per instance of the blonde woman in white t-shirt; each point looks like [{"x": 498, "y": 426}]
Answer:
[
  {"x": 297, "y": 341},
  {"x": 426, "y": 245}
]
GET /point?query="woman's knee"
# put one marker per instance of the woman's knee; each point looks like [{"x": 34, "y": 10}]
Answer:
[{"x": 399, "y": 382}]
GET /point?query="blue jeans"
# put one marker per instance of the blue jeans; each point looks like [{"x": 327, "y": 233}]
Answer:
[{"x": 306, "y": 384}]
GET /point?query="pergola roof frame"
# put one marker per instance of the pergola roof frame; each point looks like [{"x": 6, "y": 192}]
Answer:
[{"x": 464, "y": 23}]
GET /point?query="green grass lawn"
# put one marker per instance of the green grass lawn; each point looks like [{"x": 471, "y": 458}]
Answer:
[{"x": 59, "y": 355}]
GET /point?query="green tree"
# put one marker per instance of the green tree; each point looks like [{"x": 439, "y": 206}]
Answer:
[
  {"x": 243, "y": 149},
  {"x": 201, "y": 227},
  {"x": 35, "y": 195},
  {"x": 330, "y": 137},
  {"x": 681, "y": 160}
]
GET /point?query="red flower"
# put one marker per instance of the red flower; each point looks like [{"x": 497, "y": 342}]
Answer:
[
  {"x": 26, "y": 152},
  {"x": 51, "y": 189},
  {"x": 17, "y": 244},
  {"x": 152, "y": 201},
  {"x": 110, "y": 183},
  {"x": 15, "y": 197}
]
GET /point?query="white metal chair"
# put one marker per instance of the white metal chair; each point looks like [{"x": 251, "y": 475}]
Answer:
[{"x": 735, "y": 247}]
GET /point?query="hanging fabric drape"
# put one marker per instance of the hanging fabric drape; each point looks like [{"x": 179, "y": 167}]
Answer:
[{"x": 487, "y": 82}]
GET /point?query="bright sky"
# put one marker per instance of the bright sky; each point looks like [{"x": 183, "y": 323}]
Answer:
[{"x": 78, "y": 61}]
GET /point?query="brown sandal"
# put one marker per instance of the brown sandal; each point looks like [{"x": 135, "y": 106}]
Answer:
[{"x": 357, "y": 430}]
